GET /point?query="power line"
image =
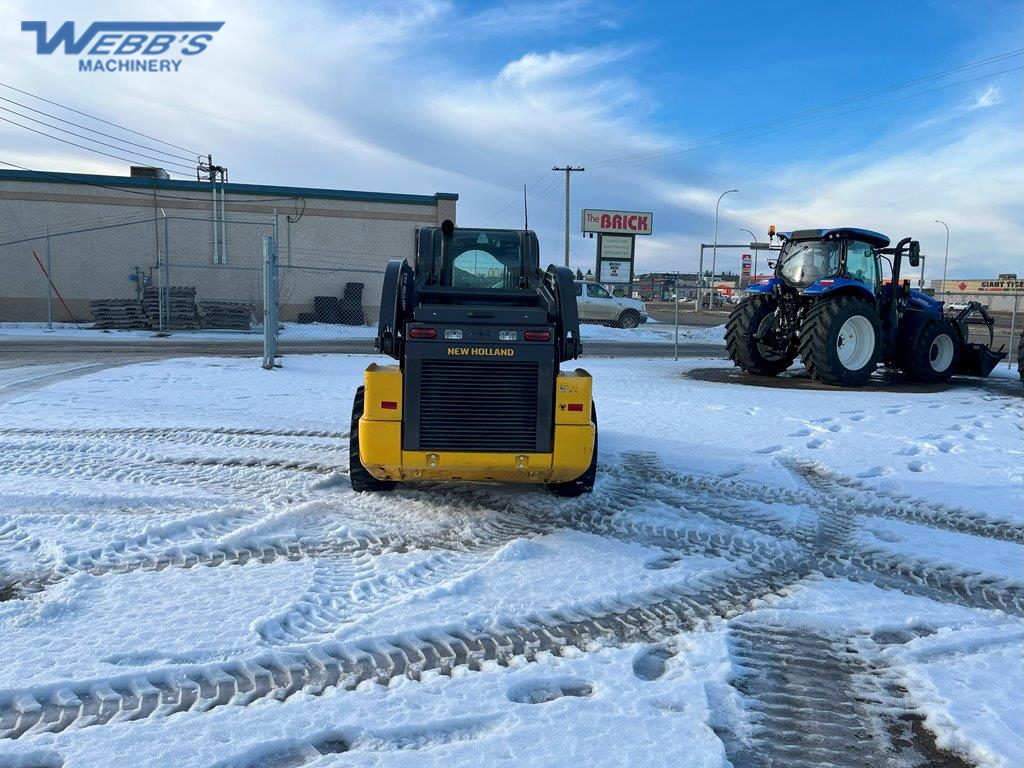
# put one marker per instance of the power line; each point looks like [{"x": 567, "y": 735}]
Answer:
[
  {"x": 101, "y": 120},
  {"x": 87, "y": 128},
  {"x": 515, "y": 202},
  {"x": 162, "y": 161},
  {"x": 72, "y": 143},
  {"x": 694, "y": 143}
]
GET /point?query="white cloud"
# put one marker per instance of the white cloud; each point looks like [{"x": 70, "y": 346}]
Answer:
[
  {"x": 534, "y": 68},
  {"x": 972, "y": 181},
  {"x": 987, "y": 98}
]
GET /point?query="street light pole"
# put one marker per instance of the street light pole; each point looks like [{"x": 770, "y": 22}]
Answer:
[
  {"x": 945, "y": 260},
  {"x": 714, "y": 247},
  {"x": 752, "y": 241}
]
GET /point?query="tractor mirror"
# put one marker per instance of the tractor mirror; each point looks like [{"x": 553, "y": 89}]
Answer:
[
  {"x": 771, "y": 263},
  {"x": 914, "y": 254}
]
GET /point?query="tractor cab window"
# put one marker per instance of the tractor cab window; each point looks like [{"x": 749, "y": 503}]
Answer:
[
  {"x": 595, "y": 291},
  {"x": 579, "y": 289},
  {"x": 862, "y": 262},
  {"x": 483, "y": 259},
  {"x": 806, "y": 262}
]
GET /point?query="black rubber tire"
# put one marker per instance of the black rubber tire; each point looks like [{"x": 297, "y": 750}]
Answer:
[
  {"x": 585, "y": 482},
  {"x": 361, "y": 479},
  {"x": 744, "y": 320},
  {"x": 820, "y": 331},
  {"x": 918, "y": 365},
  {"x": 629, "y": 319},
  {"x": 1020, "y": 357}
]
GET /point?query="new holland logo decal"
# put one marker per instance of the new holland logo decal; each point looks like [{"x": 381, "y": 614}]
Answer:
[{"x": 481, "y": 352}]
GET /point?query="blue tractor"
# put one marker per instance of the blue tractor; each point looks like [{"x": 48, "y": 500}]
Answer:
[{"x": 829, "y": 304}]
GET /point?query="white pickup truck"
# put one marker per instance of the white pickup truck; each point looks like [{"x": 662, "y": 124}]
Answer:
[{"x": 596, "y": 305}]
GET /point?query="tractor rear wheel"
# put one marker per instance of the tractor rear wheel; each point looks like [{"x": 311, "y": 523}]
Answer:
[
  {"x": 934, "y": 353},
  {"x": 840, "y": 341},
  {"x": 585, "y": 482},
  {"x": 744, "y": 333},
  {"x": 361, "y": 479}
]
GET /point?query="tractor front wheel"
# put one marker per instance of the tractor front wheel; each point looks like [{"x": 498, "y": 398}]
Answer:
[
  {"x": 840, "y": 341},
  {"x": 747, "y": 335},
  {"x": 361, "y": 479},
  {"x": 934, "y": 353}
]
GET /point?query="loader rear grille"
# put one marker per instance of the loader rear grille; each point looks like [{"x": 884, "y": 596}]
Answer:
[{"x": 474, "y": 405}]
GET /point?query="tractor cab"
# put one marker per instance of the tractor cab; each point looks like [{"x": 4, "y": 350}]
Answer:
[{"x": 816, "y": 260}]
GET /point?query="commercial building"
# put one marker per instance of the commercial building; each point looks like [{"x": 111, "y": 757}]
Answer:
[
  {"x": 1007, "y": 282},
  {"x": 104, "y": 236}
]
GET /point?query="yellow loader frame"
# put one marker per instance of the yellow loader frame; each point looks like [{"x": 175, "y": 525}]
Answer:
[{"x": 380, "y": 438}]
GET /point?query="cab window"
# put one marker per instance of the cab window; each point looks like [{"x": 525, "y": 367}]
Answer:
[
  {"x": 579, "y": 289},
  {"x": 862, "y": 262},
  {"x": 481, "y": 259},
  {"x": 597, "y": 292}
]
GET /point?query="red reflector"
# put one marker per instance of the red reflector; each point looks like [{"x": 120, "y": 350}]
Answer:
[
  {"x": 575, "y": 406},
  {"x": 423, "y": 333},
  {"x": 826, "y": 282},
  {"x": 389, "y": 405},
  {"x": 537, "y": 336}
]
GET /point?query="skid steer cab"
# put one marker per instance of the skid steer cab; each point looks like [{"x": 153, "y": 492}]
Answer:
[
  {"x": 829, "y": 303},
  {"x": 479, "y": 332}
]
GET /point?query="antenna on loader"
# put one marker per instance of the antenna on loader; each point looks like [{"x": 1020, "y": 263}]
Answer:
[{"x": 526, "y": 212}]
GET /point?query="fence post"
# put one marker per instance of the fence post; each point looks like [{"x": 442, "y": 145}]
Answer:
[
  {"x": 49, "y": 285},
  {"x": 164, "y": 291},
  {"x": 700, "y": 278},
  {"x": 269, "y": 303},
  {"x": 676, "y": 292},
  {"x": 1013, "y": 331}
]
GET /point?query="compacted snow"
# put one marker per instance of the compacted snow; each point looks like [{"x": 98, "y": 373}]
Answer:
[{"x": 763, "y": 576}]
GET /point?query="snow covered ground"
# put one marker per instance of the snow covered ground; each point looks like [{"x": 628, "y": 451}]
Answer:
[{"x": 762, "y": 577}]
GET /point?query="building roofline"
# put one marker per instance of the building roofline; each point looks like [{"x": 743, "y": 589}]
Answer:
[{"x": 262, "y": 190}]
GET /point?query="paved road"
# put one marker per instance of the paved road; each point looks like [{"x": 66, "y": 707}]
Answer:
[{"x": 50, "y": 351}]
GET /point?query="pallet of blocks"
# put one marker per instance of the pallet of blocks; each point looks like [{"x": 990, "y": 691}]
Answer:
[
  {"x": 119, "y": 314},
  {"x": 182, "y": 312},
  {"x": 226, "y": 315}
]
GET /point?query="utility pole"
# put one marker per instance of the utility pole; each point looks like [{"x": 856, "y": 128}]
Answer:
[{"x": 568, "y": 170}]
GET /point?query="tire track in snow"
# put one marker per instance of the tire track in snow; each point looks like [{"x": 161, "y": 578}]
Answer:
[
  {"x": 814, "y": 700},
  {"x": 855, "y": 494},
  {"x": 287, "y": 754},
  {"x": 645, "y": 617},
  {"x": 762, "y": 568},
  {"x": 344, "y": 590},
  {"x": 838, "y": 557}
]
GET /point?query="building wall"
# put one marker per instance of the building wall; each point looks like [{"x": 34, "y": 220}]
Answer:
[
  {"x": 979, "y": 285},
  {"x": 104, "y": 230}
]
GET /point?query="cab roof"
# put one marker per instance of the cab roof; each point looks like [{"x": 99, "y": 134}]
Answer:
[{"x": 868, "y": 236}]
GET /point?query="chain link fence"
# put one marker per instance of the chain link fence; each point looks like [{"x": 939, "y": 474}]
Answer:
[{"x": 183, "y": 275}]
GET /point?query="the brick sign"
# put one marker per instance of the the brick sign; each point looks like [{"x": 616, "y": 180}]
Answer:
[{"x": 617, "y": 222}]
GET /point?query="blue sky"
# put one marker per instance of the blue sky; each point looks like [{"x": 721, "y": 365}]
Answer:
[{"x": 480, "y": 98}]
